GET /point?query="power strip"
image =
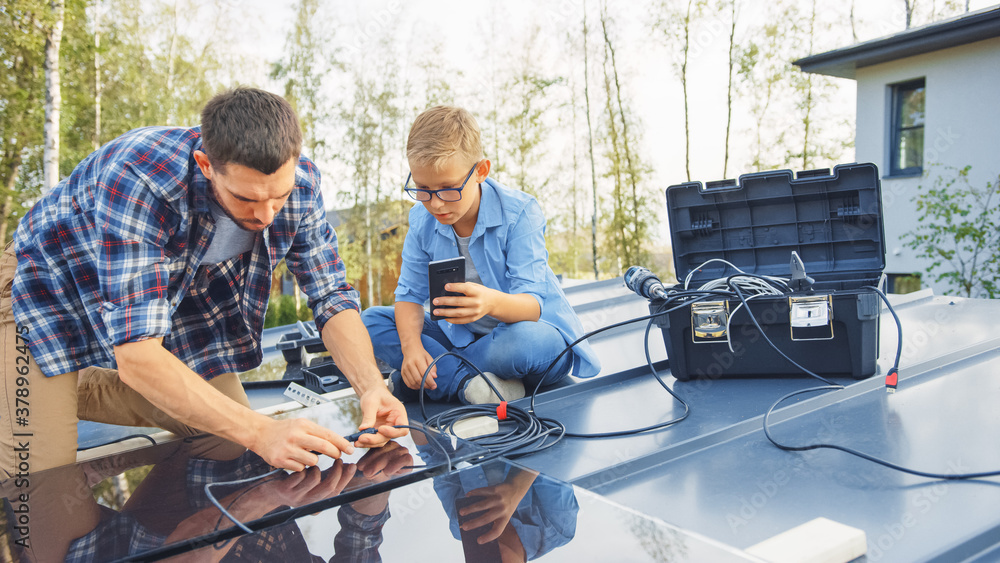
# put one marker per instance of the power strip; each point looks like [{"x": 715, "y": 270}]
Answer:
[
  {"x": 475, "y": 426},
  {"x": 304, "y": 396}
]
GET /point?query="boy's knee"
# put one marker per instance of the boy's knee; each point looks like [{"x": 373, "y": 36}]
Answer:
[
  {"x": 374, "y": 316},
  {"x": 535, "y": 332}
]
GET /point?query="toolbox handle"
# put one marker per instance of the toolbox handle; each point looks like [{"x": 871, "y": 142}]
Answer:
[{"x": 720, "y": 186}]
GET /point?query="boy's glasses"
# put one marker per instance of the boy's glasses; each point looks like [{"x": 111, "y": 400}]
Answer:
[{"x": 444, "y": 194}]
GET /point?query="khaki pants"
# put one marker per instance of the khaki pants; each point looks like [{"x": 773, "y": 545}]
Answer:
[{"x": 39, "y": 414}]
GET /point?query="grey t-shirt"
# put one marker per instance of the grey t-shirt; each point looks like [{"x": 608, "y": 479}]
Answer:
[
  {"x": 229, "y": 239},
  {"x": 486, "y": 324}
]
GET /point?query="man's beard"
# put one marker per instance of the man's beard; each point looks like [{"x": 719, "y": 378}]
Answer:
[{"x": 252, "y": 225}]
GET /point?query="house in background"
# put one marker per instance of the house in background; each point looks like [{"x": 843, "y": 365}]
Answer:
[{"x": 927, "y": 98}]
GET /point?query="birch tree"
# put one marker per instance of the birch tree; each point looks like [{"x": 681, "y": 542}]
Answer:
[
  {"x": 590, "y": 143},
  {"x": 628, "y": 228},
  {"x": 526, "y": 96},
  {"x": 53, "y": 94},
  {"x": 729, "y": 83},
  {"x": 22, "y": 91},
  {"x": 674, "y": 26}
]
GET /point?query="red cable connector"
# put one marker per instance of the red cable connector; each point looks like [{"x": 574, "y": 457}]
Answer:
[
  {"x": 891, "y": 379},
  {"x": 502, "y": 411}
]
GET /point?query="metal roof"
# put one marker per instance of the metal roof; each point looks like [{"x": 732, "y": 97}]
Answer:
[
  {"x": 711, "y": 486},
  {"x": 960, "y": 30}
]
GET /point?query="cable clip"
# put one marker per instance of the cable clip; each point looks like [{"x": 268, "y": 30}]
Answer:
[
  {"x": 891, "y": 379},
  {"x": 502, "y": 410},
  {"x": 357, "y": 435}
]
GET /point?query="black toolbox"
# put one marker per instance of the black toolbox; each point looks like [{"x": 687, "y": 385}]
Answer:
[{"x": 832, "y": 221}]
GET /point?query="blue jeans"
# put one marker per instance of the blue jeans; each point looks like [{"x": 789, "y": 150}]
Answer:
[{"x": 521, "y": 350}]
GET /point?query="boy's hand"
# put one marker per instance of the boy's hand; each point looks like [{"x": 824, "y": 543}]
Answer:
[
  {"x": 415, "y": 363},
  {"x": 477, "y": 302}
]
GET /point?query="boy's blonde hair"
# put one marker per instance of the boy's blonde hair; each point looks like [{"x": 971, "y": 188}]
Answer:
[{"x": 441, "y": 133}]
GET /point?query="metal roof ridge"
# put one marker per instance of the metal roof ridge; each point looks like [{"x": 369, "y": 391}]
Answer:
[{"x": 958, "y": 30}]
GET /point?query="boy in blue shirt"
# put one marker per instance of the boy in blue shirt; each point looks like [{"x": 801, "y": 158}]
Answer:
[{"x": 512, "y": 318}]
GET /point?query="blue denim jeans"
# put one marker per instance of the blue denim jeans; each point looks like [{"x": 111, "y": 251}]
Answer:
[{"x": 521, "y": 350}]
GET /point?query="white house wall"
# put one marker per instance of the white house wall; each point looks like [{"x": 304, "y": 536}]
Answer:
[{"x": 962, "y": 127}]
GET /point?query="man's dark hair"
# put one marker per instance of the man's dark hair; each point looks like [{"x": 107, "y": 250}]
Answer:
[{"x": 250, "y": 127}]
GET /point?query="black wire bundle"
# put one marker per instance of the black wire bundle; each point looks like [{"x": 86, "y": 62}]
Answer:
[
  {"x": 831, "y": 386},
  {"x": 530, "y": 433}
]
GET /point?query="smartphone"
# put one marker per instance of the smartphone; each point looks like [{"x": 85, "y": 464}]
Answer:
[
  {"x": 488, "y": 552},
  {"x": 441, "y": 272}
]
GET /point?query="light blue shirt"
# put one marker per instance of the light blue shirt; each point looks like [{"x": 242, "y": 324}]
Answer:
[
  {"x": 507, "y": 247},
  {"x": 544, "y": 519}
]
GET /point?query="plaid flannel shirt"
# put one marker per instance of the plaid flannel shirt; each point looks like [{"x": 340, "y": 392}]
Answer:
[{"x": 113, "y": 255}]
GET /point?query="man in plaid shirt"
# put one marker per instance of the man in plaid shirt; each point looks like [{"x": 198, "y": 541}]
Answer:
[{"x": 135, "y": 290}]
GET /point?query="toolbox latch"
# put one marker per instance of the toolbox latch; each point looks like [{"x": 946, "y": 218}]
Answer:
[
  {"x": 709, "y": 321},
  {"x": 810, "y": 317}
]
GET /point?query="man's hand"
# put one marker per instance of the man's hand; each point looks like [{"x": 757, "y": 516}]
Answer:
[
  {"x": 294, "y": 443},
  {"x": 311, "y": 485},
  {"x": 415, "y": 363},
  {"x": 384, "y": 463},
  {"x": 383, "y": 411}
]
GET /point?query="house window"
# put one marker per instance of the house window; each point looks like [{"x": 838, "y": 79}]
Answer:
[{"x": 907, "y": 149}]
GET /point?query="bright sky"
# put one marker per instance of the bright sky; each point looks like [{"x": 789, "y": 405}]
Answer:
[{"x": 463, "y": 27}]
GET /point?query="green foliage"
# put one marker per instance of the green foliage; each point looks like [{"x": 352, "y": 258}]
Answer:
[
  {"x": 372, "y": 150},
  {"x": 627, "y": 233},
  {"x": 271, "y": 314},
  {"x": 957, "y": 231},
  {"x": 286, "y": 311},
  {"x": 526, "y": 102},
  {"x": 305, "y": 313},
  {"x": 22, "y": 98},
  {"x": 152, "y": 72},
  {"x": 109, "y": 494},
  {"x": 304, "y": 64}
]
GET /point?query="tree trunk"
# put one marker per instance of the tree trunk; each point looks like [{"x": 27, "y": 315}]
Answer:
[
  {"x": 8, "y": 203},
  {"x": 617, "y": 198},
  {"x": 574, "y": 217},
  {"x": 53, "y": 97},
  {"x": 97, "y": 75},
  {"x": 854, "y": 31},
  {"x": 171, "y": 69},
  {"x": 684, "y": 87},
  {"x": 368, "y": 249},
  {"x": 590, "y": 138},
  {"x": 807, "y": 119},
  {"x": 632, "y": 245},
  {"x": 729, "y": 86}
]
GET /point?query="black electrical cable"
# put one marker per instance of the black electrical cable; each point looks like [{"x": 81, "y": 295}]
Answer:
[
  {"x": 117, "y": 440},
  {"x": 688, "y": 297},
  {"x": 525, "y": 432},
  {"x": 531, "y": 433},
  {"x": 656, "y": 374},
  {"x": 743, "y": 300},
  {"x": 834, "y": 387}
]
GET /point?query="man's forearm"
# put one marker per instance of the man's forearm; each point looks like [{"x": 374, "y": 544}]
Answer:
[
  {"x": 346, "y": 337},
  {"x": 166, "y": 382}
]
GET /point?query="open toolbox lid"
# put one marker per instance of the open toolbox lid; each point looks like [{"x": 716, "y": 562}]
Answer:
[{"x": 833, "y": 220}]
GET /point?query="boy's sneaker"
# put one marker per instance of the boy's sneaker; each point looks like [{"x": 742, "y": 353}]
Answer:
[
  {"x": 478, "y": 392},
  {"x": 389, "y": 380}
]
